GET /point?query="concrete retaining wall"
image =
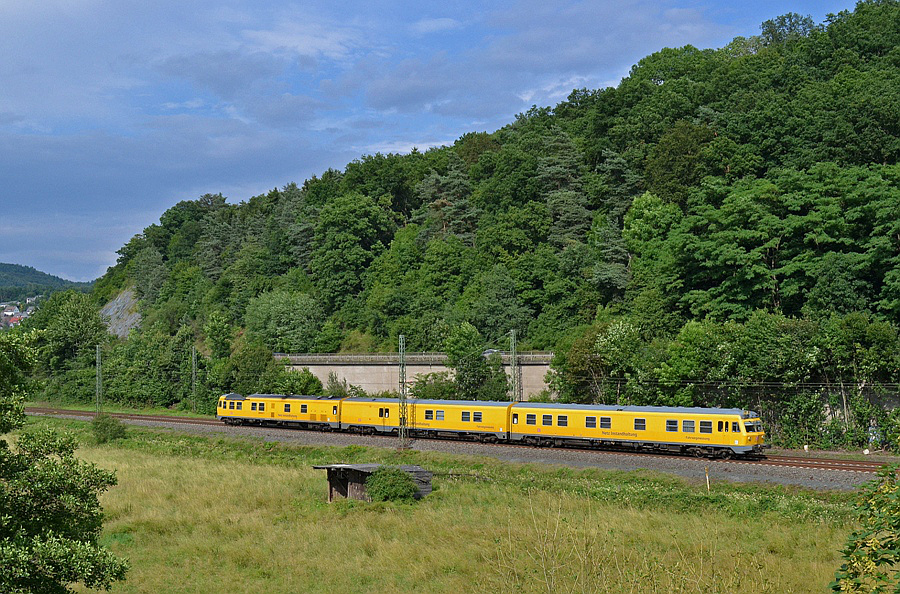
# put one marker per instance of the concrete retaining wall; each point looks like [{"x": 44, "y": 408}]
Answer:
[{"x": 378, "y": 372}]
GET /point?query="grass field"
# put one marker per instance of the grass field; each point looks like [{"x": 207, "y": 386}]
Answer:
[{"x": 207, "y": 514}]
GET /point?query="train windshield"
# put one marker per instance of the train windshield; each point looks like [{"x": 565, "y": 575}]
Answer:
[{"x": 753, "y": 426}]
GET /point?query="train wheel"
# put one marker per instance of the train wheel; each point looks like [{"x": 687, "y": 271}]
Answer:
[
  {"x": 725, "y": 454},
  {"x": 695, "y": 452}
]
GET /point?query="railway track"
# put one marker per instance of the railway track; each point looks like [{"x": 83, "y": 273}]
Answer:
[{"x": 863, "y": 466}]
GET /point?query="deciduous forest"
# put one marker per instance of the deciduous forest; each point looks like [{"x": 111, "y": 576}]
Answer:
[{"x": 720, "y": 229}]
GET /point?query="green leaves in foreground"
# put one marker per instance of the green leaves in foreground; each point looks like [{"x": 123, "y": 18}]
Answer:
[
  {"x": 873, "y": 551},
  {"x": 50, "y": 515}
]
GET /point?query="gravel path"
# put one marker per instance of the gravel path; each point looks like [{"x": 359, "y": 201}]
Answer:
[{"x": 690, "y": 468}]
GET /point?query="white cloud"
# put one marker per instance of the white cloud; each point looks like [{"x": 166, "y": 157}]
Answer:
[{"x": 306, "y": 37}]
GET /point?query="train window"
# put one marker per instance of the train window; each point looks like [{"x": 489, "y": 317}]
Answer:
[
  {"x": 387, "y": 413},
  {"x": 438, "y": 415},
  {"x": 334, "y": 410},
  {"x": 671, "y": 425},
  {"x": 531, "y": 419},
  {"x": 640, "y": 424},
  {"x": 547, "y": 420},
  {"x": 380, "y": 413},
  {"x": 240, "y": 405},
  {"x": 466, "y": 415},
  {"x": 590, "y": 422},
  {"x": 705, "y": 426},
  {"x": 687, "y": 426},
  {"x": 606, "y": 422},
  {"x": 735, "y": 427},
  {"x": 231, "y": 405},
  {"x": 252, "y": 406},
  {"x": 562, "y": 420},
  {"x": 515, "y": 418},
  {"x": 723, "y": 426},
  {"x": 287, "y": 408},
  {"x": 476, "y": 416},
  {"x": 429, "y": 415},
  {"x": 262, "y": 406},
  {"x": 303, "y": 408}
]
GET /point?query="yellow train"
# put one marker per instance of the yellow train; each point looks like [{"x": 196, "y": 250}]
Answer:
[{"x": 713, "y": 432}]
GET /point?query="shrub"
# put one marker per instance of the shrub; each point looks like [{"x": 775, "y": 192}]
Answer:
[
  {"x": 872, "y": 552},
  {"x": 391, "y": 484},
  {"x": 107, "y": 428}
]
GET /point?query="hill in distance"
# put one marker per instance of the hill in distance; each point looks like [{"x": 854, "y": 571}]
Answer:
[{"x": 18, "y": 282}]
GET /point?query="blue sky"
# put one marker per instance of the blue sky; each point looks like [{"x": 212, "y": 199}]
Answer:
[{"x": 111, "y": 111}]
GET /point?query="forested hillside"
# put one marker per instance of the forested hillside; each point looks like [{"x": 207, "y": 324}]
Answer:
[
  {"x": 18, "y": 282},
  {"x": 723, "y": 227}
]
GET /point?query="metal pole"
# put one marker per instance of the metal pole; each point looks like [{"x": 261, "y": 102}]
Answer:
[
  {"x": 194, "y": 379},
  {"x": 514, "y": 365},
  {"x": 404, "y": 426},
  {"x": 99, "y": 386}
]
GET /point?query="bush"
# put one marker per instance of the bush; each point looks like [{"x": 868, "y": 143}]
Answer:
[
  {"x": 872, "y": 552},
  {"x": 391, "y": 484},
  {"x": 107, "y": 428}
]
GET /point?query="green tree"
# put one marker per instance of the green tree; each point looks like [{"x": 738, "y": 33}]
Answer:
[
  {"x": 285, "y": 322},
  {"x": 872, "y": 554},
  {"x": 50, "y": 516},
  {"x": 464, "y": 348},
  {"x": 71, "y": 329}
]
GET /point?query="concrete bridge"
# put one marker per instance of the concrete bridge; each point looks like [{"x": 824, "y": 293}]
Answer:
[{"x": 378, "y": 372}]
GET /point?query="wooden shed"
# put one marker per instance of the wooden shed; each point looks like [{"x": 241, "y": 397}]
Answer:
[{"x": 349, "y": 480}]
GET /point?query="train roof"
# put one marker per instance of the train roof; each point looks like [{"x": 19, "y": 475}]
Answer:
[
  {"x": 640, "y": 409},
  {"x": 279, "y": 396},
  {"x": 418, "y": 402}
]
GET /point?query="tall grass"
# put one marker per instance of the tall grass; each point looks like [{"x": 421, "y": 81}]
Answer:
[{"x": 200, "y": 514}]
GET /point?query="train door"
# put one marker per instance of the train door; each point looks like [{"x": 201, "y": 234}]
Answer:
[{"x": 384, "y": 414}]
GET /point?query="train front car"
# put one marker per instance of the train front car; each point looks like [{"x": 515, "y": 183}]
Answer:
[
  {"x": 753, "y": 437},
  {"x": 229, "y": 408}
]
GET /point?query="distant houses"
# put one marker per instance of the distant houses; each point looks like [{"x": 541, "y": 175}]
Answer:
[{"x": 11, "y": 316}]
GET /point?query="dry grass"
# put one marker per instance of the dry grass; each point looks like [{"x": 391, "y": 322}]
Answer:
[{"x": 191, "y": 524}]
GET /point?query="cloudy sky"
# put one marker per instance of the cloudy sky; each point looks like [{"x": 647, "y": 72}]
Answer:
[{"x": 111, "y": 111}]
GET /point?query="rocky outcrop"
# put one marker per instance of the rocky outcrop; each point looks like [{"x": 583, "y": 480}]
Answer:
[{"x": 121, "y": 314}]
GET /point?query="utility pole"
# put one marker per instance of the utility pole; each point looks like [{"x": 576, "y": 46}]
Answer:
[
  {"x": 514, "y": 367},
  {"x": 99, "y": 388},
  {"x": 194, "y": 378},
  {"x": 404, "y": 412}
]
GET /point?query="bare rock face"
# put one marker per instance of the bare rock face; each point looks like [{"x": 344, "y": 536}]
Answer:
[{"x": 121, "y": 314}]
